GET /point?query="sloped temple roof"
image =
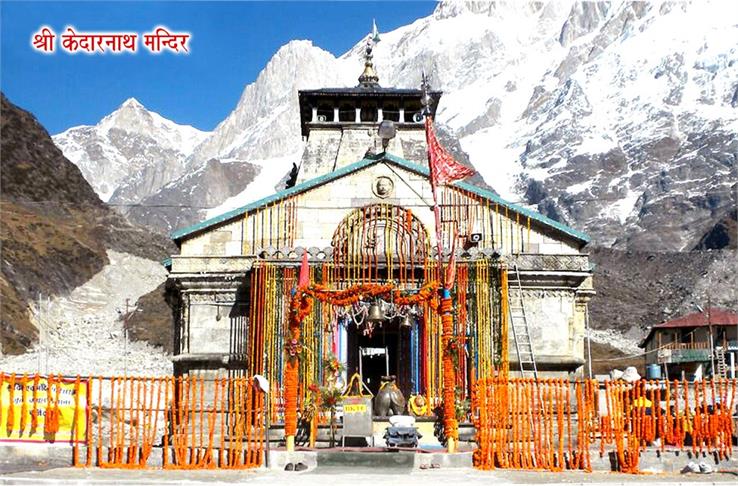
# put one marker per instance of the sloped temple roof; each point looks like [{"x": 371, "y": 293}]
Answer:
[{"x": 183, "y": 233}]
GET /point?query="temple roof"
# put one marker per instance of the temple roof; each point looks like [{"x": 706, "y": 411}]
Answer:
[
  {"x": 715, "y": 316},
  {"x": 363, "y": 91},
  {"x": 387, "y": 158}
]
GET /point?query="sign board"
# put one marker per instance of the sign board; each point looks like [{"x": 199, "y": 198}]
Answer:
[
  {"x": 69, "y": 418},
  {"x": 357, "y": 416}
]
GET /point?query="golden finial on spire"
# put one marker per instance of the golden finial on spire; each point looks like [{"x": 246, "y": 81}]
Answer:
[{"x": 369, "y": 78}]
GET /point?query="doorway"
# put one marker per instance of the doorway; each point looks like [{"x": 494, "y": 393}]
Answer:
[{"x": 387, "y": 335}]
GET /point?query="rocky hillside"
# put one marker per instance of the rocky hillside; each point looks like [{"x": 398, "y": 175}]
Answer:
[
  {"x": 182, "y": 201},
  {"x": 636, "y": 289},
  {"x": 55, "y": 229}
]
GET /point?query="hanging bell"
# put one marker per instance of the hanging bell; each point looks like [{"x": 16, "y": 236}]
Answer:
[
  {"x": 375, "y": 313},
  {"x": 406, "y": 322}
]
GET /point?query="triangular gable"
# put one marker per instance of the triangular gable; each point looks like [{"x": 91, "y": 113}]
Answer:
[{"x": 366, "y": 162}]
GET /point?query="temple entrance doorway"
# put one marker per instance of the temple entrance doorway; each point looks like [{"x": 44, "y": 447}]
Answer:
[{"x": 386, "y": 350}]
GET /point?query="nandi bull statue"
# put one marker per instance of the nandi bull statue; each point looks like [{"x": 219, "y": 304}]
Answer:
[{"x": 389, "y": 398}]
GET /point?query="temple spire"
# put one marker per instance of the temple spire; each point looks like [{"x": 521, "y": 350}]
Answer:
[{"x": 369, "y": 78}]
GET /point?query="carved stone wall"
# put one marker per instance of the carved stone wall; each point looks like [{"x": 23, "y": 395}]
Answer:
[{"x": 556, "y": 328}]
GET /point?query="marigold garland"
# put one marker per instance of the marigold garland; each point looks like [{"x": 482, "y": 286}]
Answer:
[
  {"x": 450, "y": 424},
  {"x": 10, "y": 419},
  {"x": 51, "y": 420},
  {"x": 24, "y": 405},
  {"x": 301, "y": 305},
  {"x": 34, "y": 398}
]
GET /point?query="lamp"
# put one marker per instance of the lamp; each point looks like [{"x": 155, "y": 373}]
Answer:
[{"x": 386, "y": 132}]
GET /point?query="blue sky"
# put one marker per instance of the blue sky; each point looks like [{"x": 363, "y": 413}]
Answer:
[{"x": 231, "y": 42}]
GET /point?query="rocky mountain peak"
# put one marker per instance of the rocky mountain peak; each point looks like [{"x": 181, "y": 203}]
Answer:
[
  {"x": 129, "y": 152},
  {"x": 131, "y": 103},
  {"x": 130, "y": 116}
]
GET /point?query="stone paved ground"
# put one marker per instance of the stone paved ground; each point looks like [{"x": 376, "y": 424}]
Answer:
[{"x": 338, "y": 476}]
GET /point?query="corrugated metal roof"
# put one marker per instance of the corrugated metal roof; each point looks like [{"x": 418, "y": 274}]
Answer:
[
  {"x": 380, "y": 158},
  {"x": 716, "y": 317}
]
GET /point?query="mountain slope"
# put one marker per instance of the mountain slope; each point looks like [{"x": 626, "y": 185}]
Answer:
[
  {"x": 55, "y": 230},
  {"x": 613, "y": 117},
  {"x": 130, "y": 153},
  {"x": 183, "y": 201}
]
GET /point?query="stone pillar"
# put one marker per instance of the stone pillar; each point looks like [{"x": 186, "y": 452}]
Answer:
[
  {"x": 315, "y": 114},
  {"x": 357, "y": 119},
  {"x": 336, "y": 116},
  {"x": 380, "y": 115},
  {"x": 184, "y": 329},
  {"x": 402, "y": 116},
  {"x": 580, "y": 326}
]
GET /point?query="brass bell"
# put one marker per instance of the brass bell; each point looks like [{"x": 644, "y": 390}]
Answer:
[
  {"x": 406, "y": 322},
  {"x": 375, "y": 313}
]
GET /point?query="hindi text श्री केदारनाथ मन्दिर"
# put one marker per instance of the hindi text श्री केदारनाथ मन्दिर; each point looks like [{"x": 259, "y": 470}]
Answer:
[{"x": 157, "y": 41}]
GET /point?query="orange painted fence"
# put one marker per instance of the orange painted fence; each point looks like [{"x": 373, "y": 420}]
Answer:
[
  {"x": 135, "y": 422},
  {"x": 556, "y": 424}
]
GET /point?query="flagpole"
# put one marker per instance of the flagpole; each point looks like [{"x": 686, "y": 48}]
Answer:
[{"x": 450, "y": 425}]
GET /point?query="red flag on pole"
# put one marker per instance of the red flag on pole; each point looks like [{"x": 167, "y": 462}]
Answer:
[
  {"x": 443, "y": 167},
  {"x": 303, "y": 280}
]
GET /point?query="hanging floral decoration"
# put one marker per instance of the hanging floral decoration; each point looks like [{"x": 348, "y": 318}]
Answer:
[
  {"x": 294, "y": 349},
  {"x": 450, "y": 424},
  {"x": 302, "y": 304},
  {"x": 332, "y": 365},
  {"x": 454, "y": 348}
]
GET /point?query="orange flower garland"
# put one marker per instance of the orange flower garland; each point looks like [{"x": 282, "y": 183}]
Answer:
[
  {"x": 34, "y": 411},
  {"x": 51, "y": 424},
  {"x": 450, "y": 424},
  {"x": 300, "y": 307},
  {"x": 24, "y": 406},
  {"x": 10, "y": 419}
]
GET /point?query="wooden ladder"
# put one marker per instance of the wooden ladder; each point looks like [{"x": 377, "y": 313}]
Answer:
[
  {"x": 722, "y": 366},
  {"x": 519, "y": 326}
]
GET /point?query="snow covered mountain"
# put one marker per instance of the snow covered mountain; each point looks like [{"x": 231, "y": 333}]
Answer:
[
  {"x": 130, "y": 153},
  {"x": 616, "y": 117},
  {"x": 619, "y": 118},
  {"x": 260, "y": 137}
]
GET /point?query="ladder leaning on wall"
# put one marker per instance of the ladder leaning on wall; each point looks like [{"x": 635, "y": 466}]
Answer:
[
  {"x": 519, "y": 325},
  {"x": 722, "y": 366}
]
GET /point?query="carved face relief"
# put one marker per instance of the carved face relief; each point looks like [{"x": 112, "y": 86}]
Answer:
[{"x": 383, "y": 187}]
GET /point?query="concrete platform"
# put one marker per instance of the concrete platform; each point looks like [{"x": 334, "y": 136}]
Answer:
[
  {"x": 43, "y": 456},
  {"x": 374, "y": 459}
]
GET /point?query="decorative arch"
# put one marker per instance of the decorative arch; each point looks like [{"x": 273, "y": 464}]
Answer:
[{"x": 381, "y": 233}]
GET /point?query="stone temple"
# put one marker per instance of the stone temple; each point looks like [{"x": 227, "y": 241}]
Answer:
[{"x": 360, "y": 206}]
